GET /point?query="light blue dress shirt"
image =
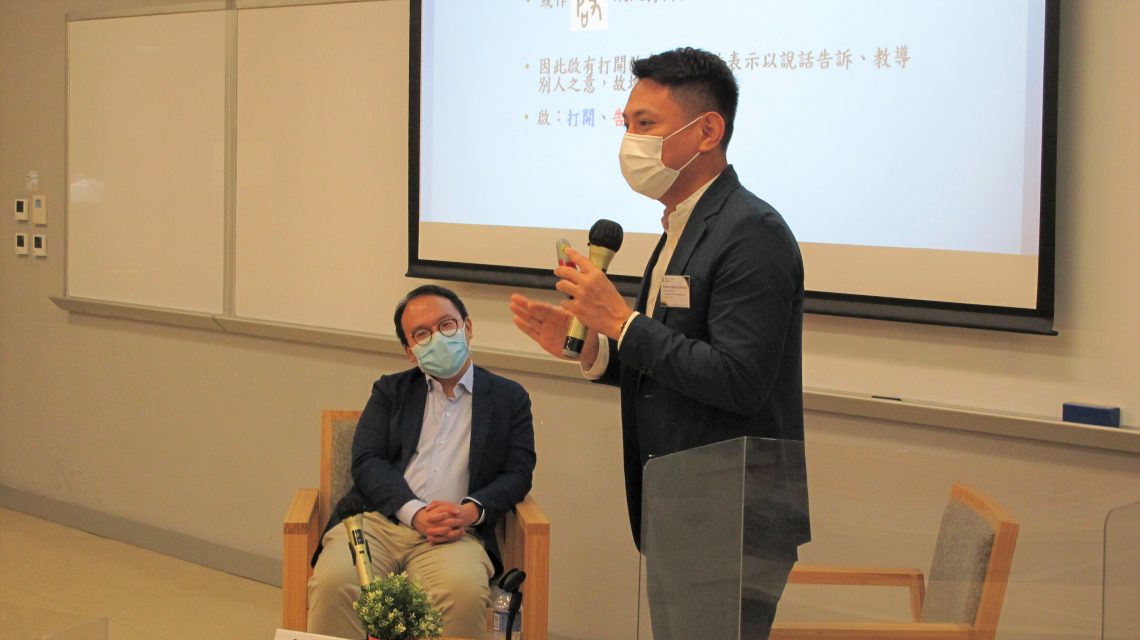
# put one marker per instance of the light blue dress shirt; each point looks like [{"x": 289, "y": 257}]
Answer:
[{"x": 440, "y": 467}]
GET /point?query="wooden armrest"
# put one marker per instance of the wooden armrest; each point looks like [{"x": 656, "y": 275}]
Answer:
[
  {"x": 833, "y": 574},
  {"x": 531, "y": 516},
  {"x": 302, "y": 531},
  {"x": 865, "y": 576},
  {"x": 302, "y": 511},
  {"x": 869, "y": 631},
  {"x": 526, "y": 545}
]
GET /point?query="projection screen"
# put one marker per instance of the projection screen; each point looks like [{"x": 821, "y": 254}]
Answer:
[{"x": 909, "y": 145}]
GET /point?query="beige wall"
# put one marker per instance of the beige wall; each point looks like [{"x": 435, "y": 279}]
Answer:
[{"x": 198, "y": 439}]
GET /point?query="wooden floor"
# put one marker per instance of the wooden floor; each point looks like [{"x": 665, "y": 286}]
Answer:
[{"x": 53, "y": 577}]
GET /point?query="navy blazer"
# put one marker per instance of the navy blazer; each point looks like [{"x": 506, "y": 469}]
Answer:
[
  {"x": 502, "y": 455},
  {"x": 728, "y": 365}
]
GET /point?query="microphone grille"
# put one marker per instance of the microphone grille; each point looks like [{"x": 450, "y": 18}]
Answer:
[
  {"x": 351, "y": 504},
  {"x": 607, "y": 233}
]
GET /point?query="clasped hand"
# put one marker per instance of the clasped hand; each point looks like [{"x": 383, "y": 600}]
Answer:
[{"x": 442, "y": 522}]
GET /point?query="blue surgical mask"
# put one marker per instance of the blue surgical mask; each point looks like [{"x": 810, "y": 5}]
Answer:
[{"x": 443, "y": 356}]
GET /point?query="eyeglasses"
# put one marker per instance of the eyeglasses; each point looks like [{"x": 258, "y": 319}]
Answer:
[{"x": 447, "y": 326}]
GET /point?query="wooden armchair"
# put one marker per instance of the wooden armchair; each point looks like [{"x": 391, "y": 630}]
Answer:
[
  {"x": 524, "y": 535},
  {"x": 963, "y": 596}
]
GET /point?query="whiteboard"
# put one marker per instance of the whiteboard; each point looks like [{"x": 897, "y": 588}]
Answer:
[
  {"x": 146, "y": 160},
  {"x": 322, "y": 113},
  {"x": 319, "y": 137}
]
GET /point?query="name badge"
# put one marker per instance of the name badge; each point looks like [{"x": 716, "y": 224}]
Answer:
[{"x": 675, "y": 292}]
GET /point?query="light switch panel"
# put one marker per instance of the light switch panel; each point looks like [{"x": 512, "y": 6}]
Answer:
[
  {"x": 21, "y": 244},
  {"x": 20, "y": 209},
  {"x": 39, "y": 210},
  {"x": 39, "y": 245}
]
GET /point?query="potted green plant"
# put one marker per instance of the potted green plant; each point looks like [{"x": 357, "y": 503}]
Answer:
[{"x": 396, "y": 608}]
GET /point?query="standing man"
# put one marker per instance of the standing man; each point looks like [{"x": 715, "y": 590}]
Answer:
[
  {"x": 712, "y": 349},
  {"x": 441, "y": 452}
]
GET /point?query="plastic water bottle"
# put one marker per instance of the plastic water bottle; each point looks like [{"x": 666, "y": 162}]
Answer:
[{"x": 502, "y": 605}]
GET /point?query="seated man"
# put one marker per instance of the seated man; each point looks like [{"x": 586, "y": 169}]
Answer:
[{"x": 441, "y": 452}]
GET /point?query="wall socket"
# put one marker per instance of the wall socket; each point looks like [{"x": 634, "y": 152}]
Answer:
[{"x": 20, "y": 209}]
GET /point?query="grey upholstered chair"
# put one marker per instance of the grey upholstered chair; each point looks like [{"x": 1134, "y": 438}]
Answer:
[
  {"x": 961, "y": 599},
  {"x": 524, "y": 535}
]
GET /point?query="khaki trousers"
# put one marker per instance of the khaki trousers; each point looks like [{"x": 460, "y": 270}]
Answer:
[{"x": 455, "y": 575}]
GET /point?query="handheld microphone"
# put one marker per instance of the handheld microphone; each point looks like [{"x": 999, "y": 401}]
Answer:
[
  {"x": 351, "y": 510},
  {"x": 605, "y": 240},
  {"x": 511, "y": 582}
]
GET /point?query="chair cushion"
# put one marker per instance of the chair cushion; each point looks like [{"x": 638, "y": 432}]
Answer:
[
  {"x": 341, "y": 480},
  {"x": 958, "y": 570}
]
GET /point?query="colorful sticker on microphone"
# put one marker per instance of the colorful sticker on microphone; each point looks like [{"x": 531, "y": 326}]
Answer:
[{"x": 560, "y": 248}]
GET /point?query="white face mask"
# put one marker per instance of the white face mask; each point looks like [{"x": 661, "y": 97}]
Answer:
[{"x": 642, "y": 166}]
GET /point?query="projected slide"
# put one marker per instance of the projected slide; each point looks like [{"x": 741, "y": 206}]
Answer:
[{"x": 881, "y": 130}]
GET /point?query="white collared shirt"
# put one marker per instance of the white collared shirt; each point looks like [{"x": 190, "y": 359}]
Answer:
[
  {"x": 678, "y": 218},
  {"x": 440, "y": 467}
]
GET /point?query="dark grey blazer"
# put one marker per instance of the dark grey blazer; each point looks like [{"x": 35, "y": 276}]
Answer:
[
  {"x": 502, "y": 457},
  {"x": 729, "y": 365}
]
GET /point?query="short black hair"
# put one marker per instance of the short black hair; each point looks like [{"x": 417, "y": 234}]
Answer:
[
  {"x": 425, "y": 290},
  {"x": 700, "y": 80}
]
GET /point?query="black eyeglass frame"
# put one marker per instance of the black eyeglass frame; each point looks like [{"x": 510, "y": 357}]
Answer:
[{"x": 448, "y": 327}]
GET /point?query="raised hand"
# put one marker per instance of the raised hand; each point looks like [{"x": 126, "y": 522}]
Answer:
[
  {"x": 594, "y": 299},
  {"x": 544, "y": 323}
]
